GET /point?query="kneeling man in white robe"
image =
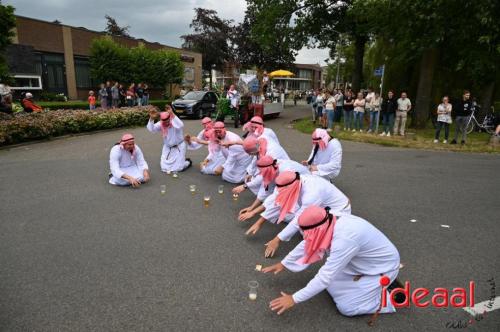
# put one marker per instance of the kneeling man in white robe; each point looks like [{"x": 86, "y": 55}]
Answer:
[
  {"x": 127, "y": 163},
  {"x": 358, "y": 254},
  {"x": 325, "y": 159},
  {"x": 237, "y": 160}
]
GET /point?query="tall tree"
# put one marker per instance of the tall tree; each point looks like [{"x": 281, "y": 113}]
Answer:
[
  {"x": 316, "y": 23},
  {"x": 249, "y": 52},
  {"x": 114, "y": 29},
  {"x": 7, "y": 23},
  {"x": 210, "y": 37},
  {"x": 462, "y": 35}
]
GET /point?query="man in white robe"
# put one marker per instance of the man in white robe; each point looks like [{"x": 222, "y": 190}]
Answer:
[
  {"x": 257, "y": 148},
  {"x": 358, "y": 256},
  {"x": 127, "y": 163},
  {"x": 215, "y": 158},
  {"x": 294, "y": 193},
  {"x": 173, "y": 155},
  {"x": 325, "y": 159},
  {"x": 269, "y": 169},
  {"x": 237, "y": 160},
  {"x": 255, "y": 127}
]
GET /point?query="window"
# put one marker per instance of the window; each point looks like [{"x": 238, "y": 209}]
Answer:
[
  {"x": 82, "y": 73},
  {"x": 27, "y": 82}
]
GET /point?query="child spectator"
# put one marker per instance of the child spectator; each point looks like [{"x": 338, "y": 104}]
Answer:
[{"x": 91, "y": 100}]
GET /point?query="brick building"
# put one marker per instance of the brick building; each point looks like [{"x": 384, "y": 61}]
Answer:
[{"x": 55, "y": 58}]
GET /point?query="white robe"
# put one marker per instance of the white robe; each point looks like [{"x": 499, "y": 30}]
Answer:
[
  {"x": 329, "y": 160},
  {"x": 358, "y": 249},
  {"x": 215, "y": 159},
  {"x": 276, "y": 152},
  {"x": 314, "y": 191},
  {"x": 268, "y": 133},
  {"x": 173, "y": 154},
  {"x": 121, "y": 163},
  {"x": 283, "y": 165},
  {"x": 237, "y": 160}
]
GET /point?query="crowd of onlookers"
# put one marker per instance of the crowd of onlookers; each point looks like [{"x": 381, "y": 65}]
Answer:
[
  {"x": 390, "y": 112},
  {"x": 116, "y": 95}
]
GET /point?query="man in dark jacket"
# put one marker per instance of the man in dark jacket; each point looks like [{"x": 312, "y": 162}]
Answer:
[
  {"x": 463, "y": 110},
  {"x": 389, "y": 107}
]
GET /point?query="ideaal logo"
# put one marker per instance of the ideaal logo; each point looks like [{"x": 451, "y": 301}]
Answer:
[{"x": 440, "y": 298}]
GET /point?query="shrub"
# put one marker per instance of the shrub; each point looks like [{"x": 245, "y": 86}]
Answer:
[
  {"x": 34, "y": 126},
  {"x": 82, "y": 105}
]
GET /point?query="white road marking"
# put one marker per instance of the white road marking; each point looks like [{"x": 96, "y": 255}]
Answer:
[
  {"x": 445, "y": 226},
  {"x": 481, "y": 307},
  {"x": 413, "y": 220}
]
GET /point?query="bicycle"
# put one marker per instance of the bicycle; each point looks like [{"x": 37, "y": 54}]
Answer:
[{"x": 488, "y": 123}]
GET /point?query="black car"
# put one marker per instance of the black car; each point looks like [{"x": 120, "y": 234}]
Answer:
[{"x": 196, "y": 104}]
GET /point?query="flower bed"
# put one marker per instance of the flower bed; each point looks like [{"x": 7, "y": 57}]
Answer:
[{"x": 35, "y": 126}]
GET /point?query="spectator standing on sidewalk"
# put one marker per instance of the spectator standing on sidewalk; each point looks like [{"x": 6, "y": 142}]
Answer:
[
  {"x": 115, "y": 96},
  {"x": 339, "y": 108},
  {"x": 463, "y": 110},
  {"x": 91, "y": 100},
  {"x": 103, "y": 96},
  {"x": 389, "y": 107},
  {"x": 443, "y": 119},
  {"x": 314, "y": 105},
  {"x": 404, "y": 106},
  {"x": 139, "y": 92},
  {"x": 348, "y": 110},
  {"x": 330, "y": 110},
  {"x": 359, "y": 111},
  {"x": 145, "y": 97},
  {"x": 319, "y": 107},
  {"x": 375, "y": 105},
  {"x": 109, "y": 95},
  {"x": 131, "y": 95}
]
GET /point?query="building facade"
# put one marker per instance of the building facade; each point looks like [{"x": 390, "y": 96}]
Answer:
[{"x": 55, "y": 58}]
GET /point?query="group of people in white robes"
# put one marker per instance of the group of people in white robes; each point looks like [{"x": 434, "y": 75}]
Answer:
[{"x": 355, "y": 253}]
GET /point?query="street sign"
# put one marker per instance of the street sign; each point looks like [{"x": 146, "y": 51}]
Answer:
[{"x": 379, "y": 71}]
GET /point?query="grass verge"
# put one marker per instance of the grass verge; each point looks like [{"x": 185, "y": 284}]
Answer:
[{"x": 417, "y": 139}]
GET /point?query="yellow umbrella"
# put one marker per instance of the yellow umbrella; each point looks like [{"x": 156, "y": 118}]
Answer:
[{"x": 281, "y": 73}]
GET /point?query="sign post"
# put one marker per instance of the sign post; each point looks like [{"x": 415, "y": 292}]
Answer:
[{"x": 380, "y": 72}]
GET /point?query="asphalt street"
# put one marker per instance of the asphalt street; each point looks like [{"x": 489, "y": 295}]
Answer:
[{"x": 78, "y": 254}]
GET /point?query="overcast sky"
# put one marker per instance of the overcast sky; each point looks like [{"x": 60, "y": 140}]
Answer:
[{"x": 163, "y": 21}]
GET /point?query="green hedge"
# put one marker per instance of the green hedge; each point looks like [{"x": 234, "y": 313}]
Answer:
[
  {"x": 25, "y": 127},
  {"x": 81, "y": 105}
]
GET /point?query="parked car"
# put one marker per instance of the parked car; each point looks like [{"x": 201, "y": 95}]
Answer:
[{"x": 196, "y": 104}]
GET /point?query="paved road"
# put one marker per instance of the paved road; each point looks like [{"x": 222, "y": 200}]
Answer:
[{"x": 78, "y": 254}]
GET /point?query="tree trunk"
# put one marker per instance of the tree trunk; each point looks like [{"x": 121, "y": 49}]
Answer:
[
  {"x": 487, "y": 98},
  {"x": 359, "y": 53},
  {"x": 424, "y": 89}
]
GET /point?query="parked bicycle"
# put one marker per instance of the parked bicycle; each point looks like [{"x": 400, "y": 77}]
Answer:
[{"x": 488, "y": 123}]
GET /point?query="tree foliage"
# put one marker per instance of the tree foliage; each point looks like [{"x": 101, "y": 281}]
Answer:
[
  {"x": 7, "y": 23},
  {"x": 114, "y": 29},
  {"x": 111, "y": 61},
  {"x": 210, "y": 37}
]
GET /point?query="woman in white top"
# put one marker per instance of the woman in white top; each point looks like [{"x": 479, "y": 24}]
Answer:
[
  {"x": 443, "y": 119},
  {"x": 359, "y": 111},
  {"x": 330, "y": 105},
  {"x": 320, "y": 98},
  {"x": 375, "y": 104}
]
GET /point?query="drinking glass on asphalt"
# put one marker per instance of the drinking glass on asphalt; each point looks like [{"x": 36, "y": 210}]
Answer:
[
  {"x": 163, "y": 189},
  {"x": 221, "y": 189},
  {"x": 192, "y": 188},
  {"x": 235, "y": 197},
  {"x": 252, "y": 294},
  {"x": 206, "y": 201}
]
